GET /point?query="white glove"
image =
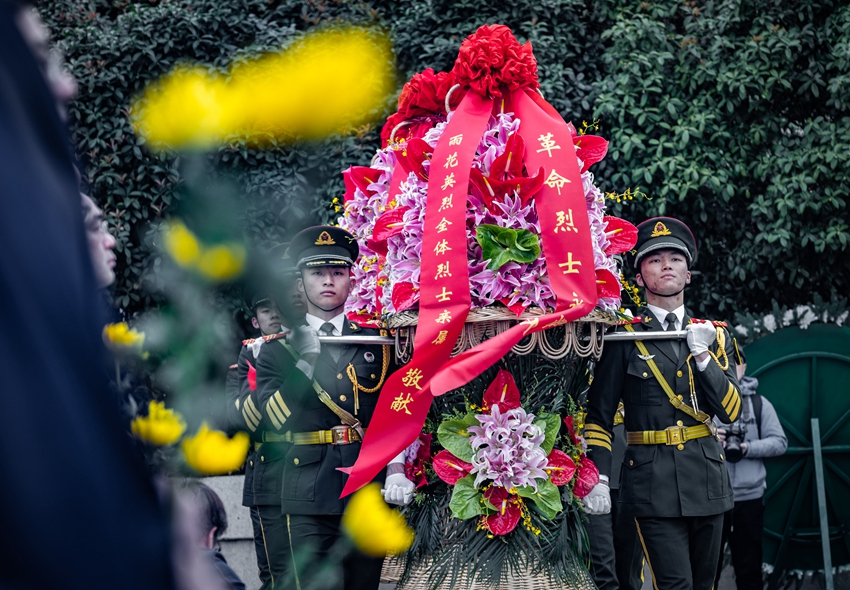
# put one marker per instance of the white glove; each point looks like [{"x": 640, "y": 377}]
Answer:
[
  {"x": 398, "y": 490},
  {"x": 305, "y": 340},
  {"x": 598, "y": 501},
  {"x": 700, "y": 337}
]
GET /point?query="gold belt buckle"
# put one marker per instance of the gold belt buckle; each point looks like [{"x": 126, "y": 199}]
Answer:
[
  {"x": 675, "y": 435},
  {"x": 341, "y": 435}
]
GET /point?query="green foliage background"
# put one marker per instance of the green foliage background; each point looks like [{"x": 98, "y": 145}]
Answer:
[{"x": 732, "y": 115}]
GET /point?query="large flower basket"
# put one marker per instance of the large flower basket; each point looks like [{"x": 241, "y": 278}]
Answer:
[{"x": 486, "y": 248}]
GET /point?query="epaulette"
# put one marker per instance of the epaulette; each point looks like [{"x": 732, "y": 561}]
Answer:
[
  {"x": 233, "y": 366},
  {"x": 248, "y": 341},
  {"x": 271, "y": 337},
  {"x": 717, "y": 323},
  {"x": 635, "y": 320}
]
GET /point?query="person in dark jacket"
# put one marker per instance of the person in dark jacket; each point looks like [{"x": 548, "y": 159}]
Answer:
[
  {"x": 673, "y": 476},
  {"x": 211, "y": 523}
]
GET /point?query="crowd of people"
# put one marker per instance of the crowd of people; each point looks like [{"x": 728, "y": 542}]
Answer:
[{"x": 677, "y": 429}]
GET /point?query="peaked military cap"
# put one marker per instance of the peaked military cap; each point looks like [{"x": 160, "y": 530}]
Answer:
[
  {"x": 664, "y": 233},
  {"x": 256, "y": 293},
  {"x": 323, "y": 245},
  {"x": 280, "y": 260}
]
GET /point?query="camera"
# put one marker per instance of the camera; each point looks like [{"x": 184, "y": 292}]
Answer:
[{"x": 734, "y": 437}]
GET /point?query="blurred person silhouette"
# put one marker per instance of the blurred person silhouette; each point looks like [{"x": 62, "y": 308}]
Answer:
[
  {"x": 77, "y": 504},
  {"x": 757, "y": 434},
  {"x": 101, "y": 243}
]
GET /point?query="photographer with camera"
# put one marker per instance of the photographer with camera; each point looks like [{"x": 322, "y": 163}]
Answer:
[{"x": 755, "y": 435}]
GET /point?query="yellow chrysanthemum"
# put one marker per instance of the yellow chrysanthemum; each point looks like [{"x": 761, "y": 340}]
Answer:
[
  {"x": 373, "y": 526},
  {"x": 222, "y": 262},
  {"x": 211, "y": 452},
  {"x": 329, "y": 81},
  {"x": 160, "y": 427},
  {"x": 119, "y": 337},
  {"x": 181, "y": 244}
]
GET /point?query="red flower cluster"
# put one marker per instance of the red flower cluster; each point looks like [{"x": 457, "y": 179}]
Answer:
[
  {"x": 491, "y": 62},
  {"x": 423, "y": 96}
]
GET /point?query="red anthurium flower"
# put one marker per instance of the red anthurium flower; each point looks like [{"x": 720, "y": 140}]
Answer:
[
  {"x": 572, "y": 129},
  {"x": 359, "y": 177},
  {"x": 607, "y": 284},
  {"x": 508, "y": 511},
  {"x": 412, "y": 155},
  {"x": 252, "y": 377},
  {"x": 404, "y": 296},
  {"x": 449, "y": 468},
  {"x": 389, "y": 224},
  {"x": 506, "y": 176},
  {"x": 560, "y": 467},
  {"x": 621, "y": 235},
  {"x": 502, "y": 391},
  {"x": 517, "y": 307},
  {"x": 591, "y": 149},
  {"x": 571, "y": 429},
  {"x": 586, "y": 478},
  {"x": 415, "y": 471},
  {"x": 363, "y": 319}
]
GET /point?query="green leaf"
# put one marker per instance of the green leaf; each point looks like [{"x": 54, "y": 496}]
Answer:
[
  {"x": 501, "y": 245},
  {"x": 453, "y": 436},
  {"x": 551, "y": 425},
  {"x": 547, "y": 498},
  {"x": 466, "y": 500}
]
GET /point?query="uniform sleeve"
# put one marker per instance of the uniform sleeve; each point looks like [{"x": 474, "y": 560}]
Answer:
[
  {"x": 772, "y": 441},
  {"x": 280, "y": 388},
  {"x": 720, "y": 388},
  {"x": 602, "y": 401}
]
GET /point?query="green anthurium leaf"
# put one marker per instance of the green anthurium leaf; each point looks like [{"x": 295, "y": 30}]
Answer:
[
  {"x": 551, "y": 425},
  {"x": 547, "y": 498},
  {"x": 466, "y": 500},
  {"x": 453, "y": 436},
  {"x": 501, "y": 245}
]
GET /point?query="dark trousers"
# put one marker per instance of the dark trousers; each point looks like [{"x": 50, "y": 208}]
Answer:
[
  {"x": 271, "y": 543},
  {"x": 616, "y": 557},
  {"x": 743, "y": 527},
  {"x": 682, "y": 552},
  {"x": 322, "y": 558}
]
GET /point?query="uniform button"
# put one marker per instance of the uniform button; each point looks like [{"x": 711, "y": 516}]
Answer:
[
  {"x": 251, "y": 463},
  {"x": 645, "y": 375},
  {"x": 342, "y": 398},
  {"x": 721, "y": 457},
  {"x": 262, "y": 458},
  {"x": 296, "y": 461},
  {"x": 373, "y": 375},
  {"x": 678, "y": 373},
  {"x": 631, "y": 463},
  {"x": 681, "y": 447},
  {"x": 339, "y": 375},
  {"x": 679, "y": 423},
  {"x": 680, "y": 397}
]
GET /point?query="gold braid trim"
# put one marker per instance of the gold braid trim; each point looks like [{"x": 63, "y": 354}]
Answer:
[{"x": 352, "y": 375}]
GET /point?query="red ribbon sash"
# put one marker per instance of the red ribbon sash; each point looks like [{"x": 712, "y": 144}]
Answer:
[{"x": 444, "y": 294}]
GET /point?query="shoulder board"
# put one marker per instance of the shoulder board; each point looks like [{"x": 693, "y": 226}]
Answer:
[
  {"x": 234, "y": 366},
  {"x": 271, "y": 337},
  {"x": 717, "y": 323},
  {"x": 248, "y": 341},
  {"x": 635, "y": 320}
]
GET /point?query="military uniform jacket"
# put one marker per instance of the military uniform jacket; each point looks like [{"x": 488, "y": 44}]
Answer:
[
  {"x": 662, "y": 480},
  {"x": 263, "y": 470},
  {"x": 288, "y": 403}
]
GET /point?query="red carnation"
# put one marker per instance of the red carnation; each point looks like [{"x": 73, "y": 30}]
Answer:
[{"x": 491, "y": 62}]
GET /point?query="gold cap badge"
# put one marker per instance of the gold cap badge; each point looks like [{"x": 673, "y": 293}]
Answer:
[
  {"x": 325, "y": 239},
  {"x": 659, "y": 230}
]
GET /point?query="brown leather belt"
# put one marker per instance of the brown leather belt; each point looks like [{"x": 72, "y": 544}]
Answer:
[
  {"x": 338, "y": 435},
  {"x": 675, "y": 435}
]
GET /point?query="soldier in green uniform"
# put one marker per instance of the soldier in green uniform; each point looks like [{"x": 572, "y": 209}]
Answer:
[
  {"x": 673, "y": 476},
  {"x": 315, "y": 401},
  {"x": 263, "y": 467}
]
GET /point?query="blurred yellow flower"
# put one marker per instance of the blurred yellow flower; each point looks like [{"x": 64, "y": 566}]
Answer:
[
  {"x": 119, "y": 337},
  {"x": 373, "y": 526},
  {"x": 222, "y": 262},
  {"x": 181, "y": 244},
  {"x": 161, "y": 426},
  {"x": 211, "y": 452},
  {"x": 328, "y": 81}
]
